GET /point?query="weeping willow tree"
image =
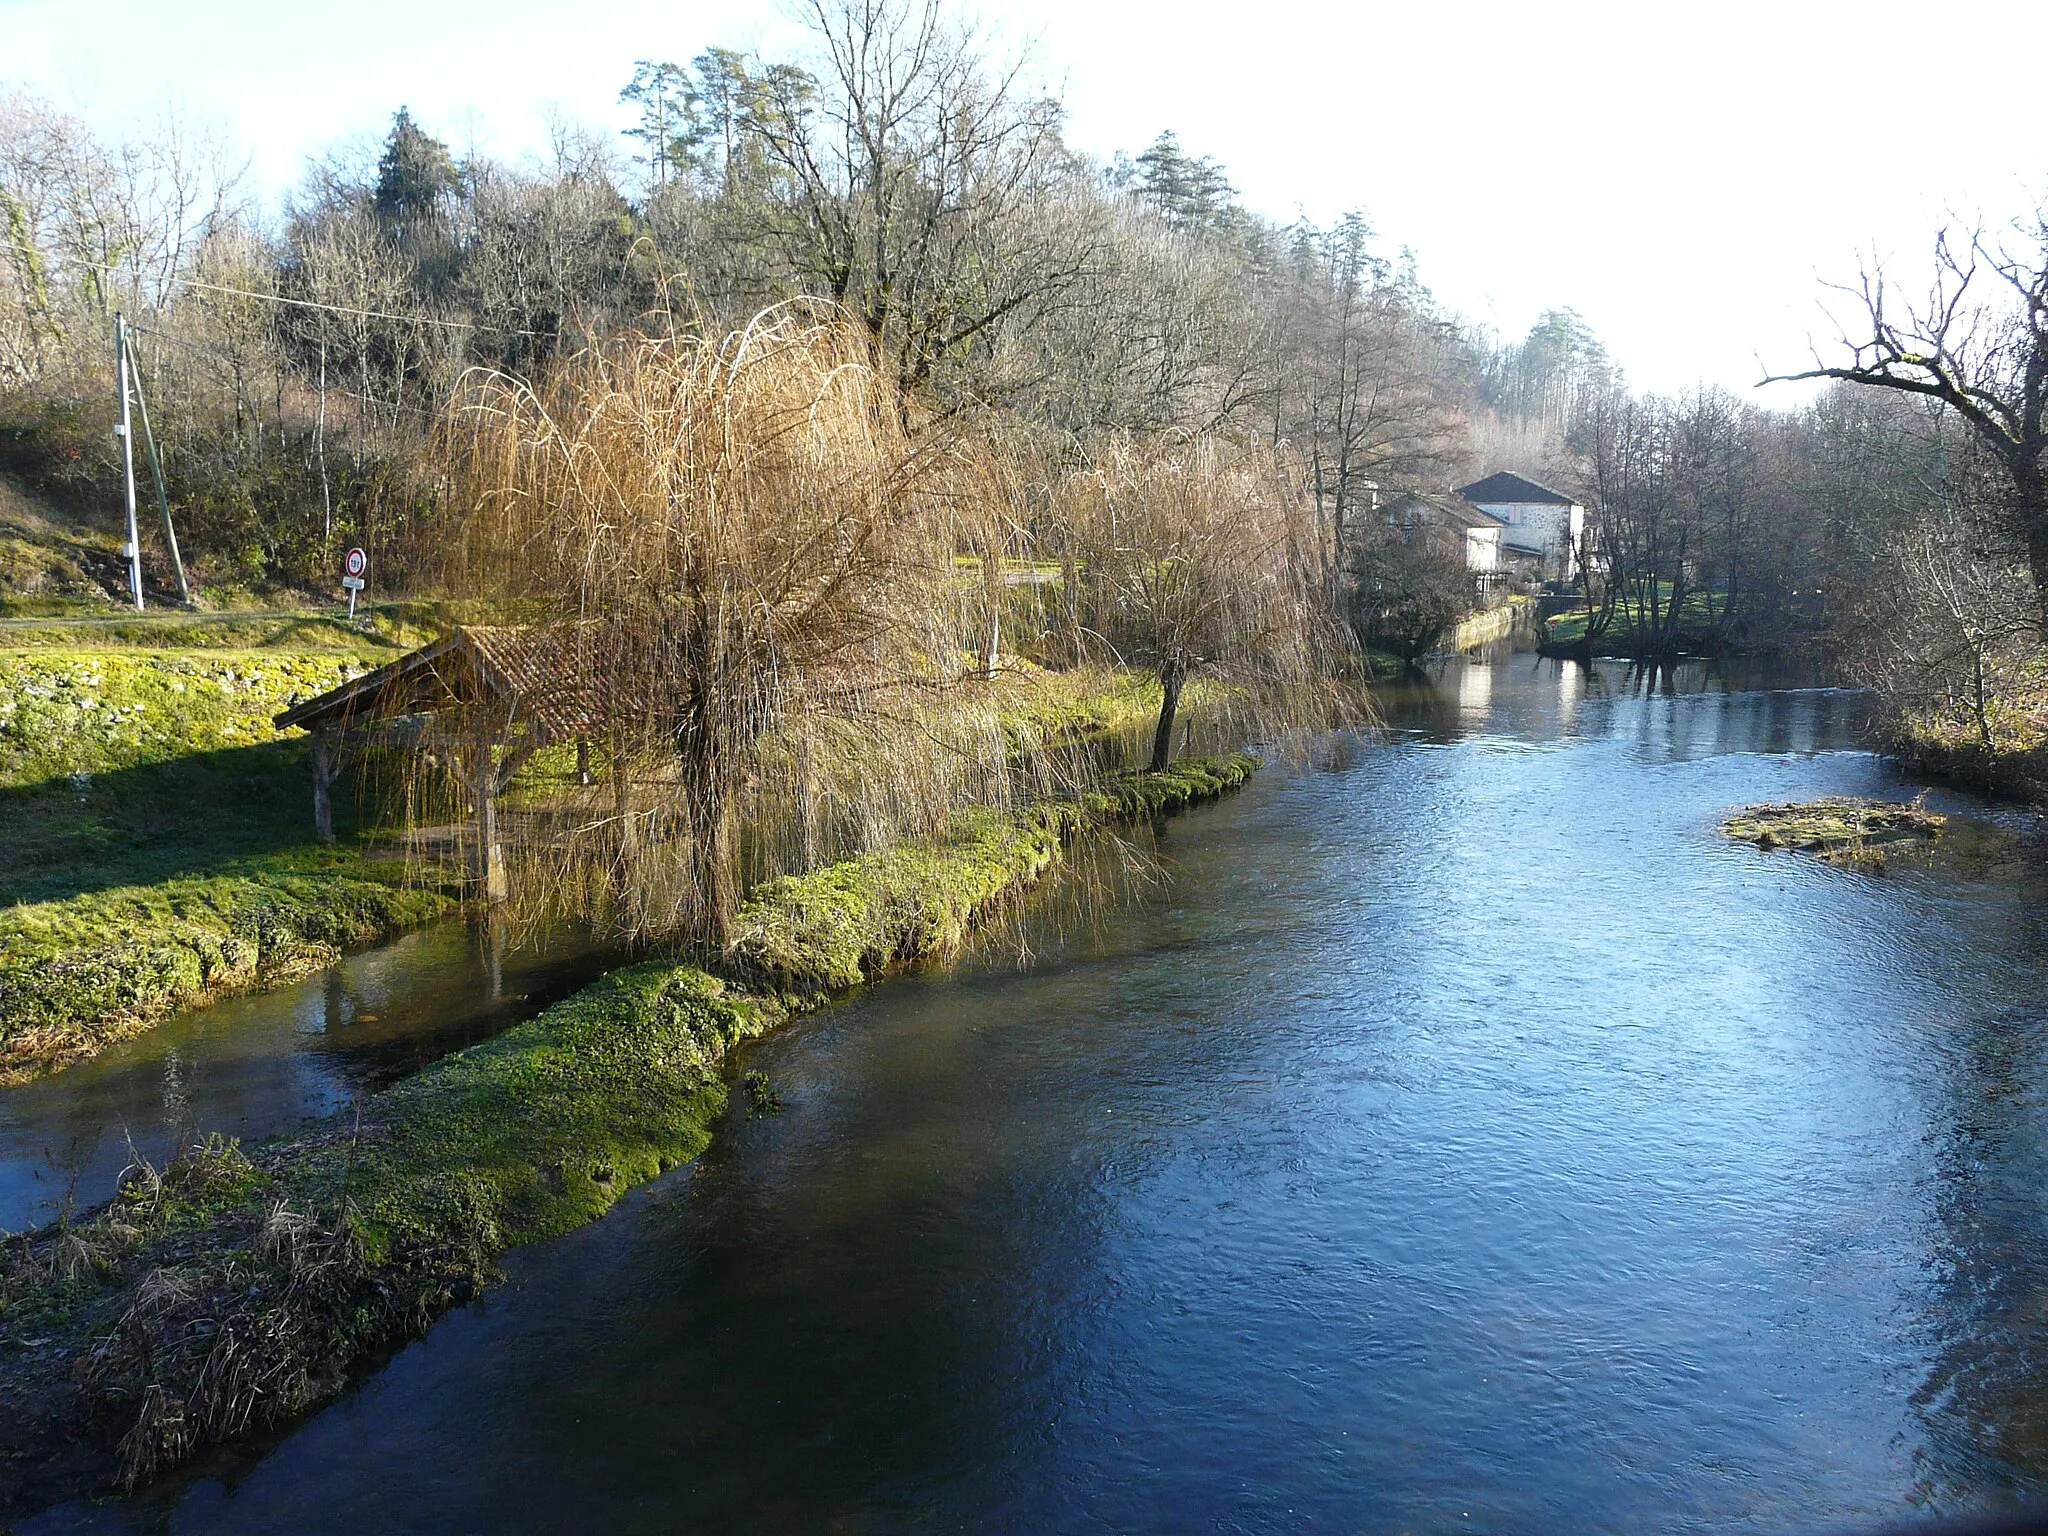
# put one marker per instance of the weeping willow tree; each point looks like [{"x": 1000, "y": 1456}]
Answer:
[
  {"x": 755, "y": 555},
  {"x": 1198, "y": 560}
]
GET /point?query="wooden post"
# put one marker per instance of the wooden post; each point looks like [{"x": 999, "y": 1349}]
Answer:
[
  {"x": 622, "y": 797},
  {"x": 583, "y": 761},
  {"x": 325, "y": 762},
  {"x": 490, "y": 866}
]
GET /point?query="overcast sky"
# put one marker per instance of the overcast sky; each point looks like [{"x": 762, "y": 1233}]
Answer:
[{"x": 1684, "y": 175}]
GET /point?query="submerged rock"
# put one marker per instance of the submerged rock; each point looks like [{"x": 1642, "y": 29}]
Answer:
[{"x": 1841, "y": 829}]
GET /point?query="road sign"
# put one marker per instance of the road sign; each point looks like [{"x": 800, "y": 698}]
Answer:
[{"x": 353, "y": 564}]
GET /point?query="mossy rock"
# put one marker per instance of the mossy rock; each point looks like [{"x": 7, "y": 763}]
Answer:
[{"x": 1841, "y": 829}]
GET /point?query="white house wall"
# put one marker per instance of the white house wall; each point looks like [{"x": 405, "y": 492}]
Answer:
[{"x": 1540, "y": 528}]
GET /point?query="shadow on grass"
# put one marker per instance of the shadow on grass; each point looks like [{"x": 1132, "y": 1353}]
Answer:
[{"x": 65, "y": 837}]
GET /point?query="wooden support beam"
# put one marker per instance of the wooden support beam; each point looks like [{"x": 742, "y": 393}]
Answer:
[{"x": 326, "y": 764}]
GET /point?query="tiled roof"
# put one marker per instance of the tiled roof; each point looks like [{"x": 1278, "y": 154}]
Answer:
[
  {"x": 538, "y": 673},
  {"x": 1508, "y": 488},
  {"x": 1448, "y": 508}
]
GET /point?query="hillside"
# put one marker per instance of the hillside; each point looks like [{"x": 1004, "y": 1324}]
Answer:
[{"x": 47, "y": 561}]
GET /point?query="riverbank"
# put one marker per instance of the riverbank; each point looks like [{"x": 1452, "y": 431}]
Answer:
[
  {"x": 1628, "y": 630},
  {"x": 155, "y": 846},
  {"x": 2004, "y": 753},
  {"x": 78, "y": 975},
  {"x": 235, "y": 1289},
  {"x": 154, "y": 825}
]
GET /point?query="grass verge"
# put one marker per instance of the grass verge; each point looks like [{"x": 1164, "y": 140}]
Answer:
[
  {"x": 236, "y": 1289},
  {"x": 79, "y": 974},
  {"x": 153, "y": 841}
]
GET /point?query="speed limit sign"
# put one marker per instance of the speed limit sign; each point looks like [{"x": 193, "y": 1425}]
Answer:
[{"x": 353, "y": 564}]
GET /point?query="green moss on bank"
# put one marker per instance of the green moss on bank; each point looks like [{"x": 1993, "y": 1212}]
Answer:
[
  {"x": 836, "y": 927},
  {"x": 233, "y": 1291},
  {"x": 154, "y": 842},
  {"x": 76, "y": 975},
  {"x": 65, "y": 713}
]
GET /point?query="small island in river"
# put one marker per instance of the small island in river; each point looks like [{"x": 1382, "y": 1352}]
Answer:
[{"x": 1840, "y": 829}]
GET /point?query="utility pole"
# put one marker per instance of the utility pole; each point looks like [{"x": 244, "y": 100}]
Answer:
[
  {"x": 134, "y": 549},
  {"x": 156, "y": 470}
]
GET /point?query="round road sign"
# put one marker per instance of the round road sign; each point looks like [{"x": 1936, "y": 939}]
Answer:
[{"x": 355, "y": 562}]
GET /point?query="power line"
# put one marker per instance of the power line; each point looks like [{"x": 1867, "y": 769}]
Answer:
[
  {"x": 429, "y": 413},
  {"x": 278, "y": 298}
]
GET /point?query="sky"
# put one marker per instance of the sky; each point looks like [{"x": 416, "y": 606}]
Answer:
[{"x": 1686, "y": 176}]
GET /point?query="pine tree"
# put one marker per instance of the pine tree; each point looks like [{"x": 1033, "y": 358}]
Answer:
[
  {"x": 1191, "y": 191},
  {"x": 414, "y": 174}
]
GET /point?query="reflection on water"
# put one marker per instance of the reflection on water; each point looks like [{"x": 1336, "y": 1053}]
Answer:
[
  {"x": 1469, "y": 1138},
  {"x": 255, "y": 1066}
]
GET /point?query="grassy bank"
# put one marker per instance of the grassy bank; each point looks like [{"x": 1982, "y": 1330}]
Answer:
[
  {"x": 79, "y": 974},
  {"x": 71, "y": 714},
  {"x": 154, "y": 826},
  {"x": 238, "y": 1288},
  {"x": 1627, "y": 631},
  {"x": 155, "y": 838}
]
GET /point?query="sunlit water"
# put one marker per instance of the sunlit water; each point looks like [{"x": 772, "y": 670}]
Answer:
[
  {"x": 1469, "y": 1139},
  {"x": 256, "y": 1066}
]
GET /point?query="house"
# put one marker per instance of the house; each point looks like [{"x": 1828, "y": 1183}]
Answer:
[
  {"x": 1538, "y": 524},
  {"x": 1479, "y": 532}
]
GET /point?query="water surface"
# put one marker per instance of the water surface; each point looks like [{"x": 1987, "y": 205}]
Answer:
[
  {"x": 1467, "y": 1139},
  {"x": 256, "y": 1066}
]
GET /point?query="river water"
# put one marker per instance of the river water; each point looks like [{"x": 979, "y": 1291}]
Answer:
[
  {"x": 255, "y": 1066},
  {"x": 1466, "y": 1139}
]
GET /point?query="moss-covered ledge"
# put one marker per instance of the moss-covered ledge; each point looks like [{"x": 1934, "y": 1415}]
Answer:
[
  {"x": 839, "y": 926},
  {"x": 77, "y": 975},
  {"x": 1842, "y": 829},
  {"x": 236, "y": 1289}
]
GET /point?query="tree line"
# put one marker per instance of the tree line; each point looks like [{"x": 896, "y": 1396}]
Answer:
[{"x": 304, "y": 364}]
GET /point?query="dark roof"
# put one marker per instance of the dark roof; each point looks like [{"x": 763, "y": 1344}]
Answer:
[
  {"x": 1508, "y": 487},
  {"x": 1446, "y": 507},
  {"x": 538, "y": 673}
]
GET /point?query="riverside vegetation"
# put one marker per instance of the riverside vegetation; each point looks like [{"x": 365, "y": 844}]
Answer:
[
  {"x": 154, "y": 847},
  {"x": 240, "y": 1286}
]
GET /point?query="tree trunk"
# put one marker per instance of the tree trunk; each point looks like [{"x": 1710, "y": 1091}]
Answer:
[
  {"x": 2033, "y": 509},
  {"x": 1169, "y": 703}
]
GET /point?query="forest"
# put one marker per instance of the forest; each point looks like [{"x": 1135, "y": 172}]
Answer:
[{"x": 316, "y": 371}]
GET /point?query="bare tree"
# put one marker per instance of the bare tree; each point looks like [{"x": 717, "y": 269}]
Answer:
[
  {"x": 1198, "y": 563},
  {"x": 1978, "y": 344},
  {"x": 919, "y": 187}
]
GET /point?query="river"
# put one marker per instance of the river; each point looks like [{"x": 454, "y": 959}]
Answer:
[
  {"x": 1465, "y": 1138},
  {"x": 256, "y": 1066}
]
